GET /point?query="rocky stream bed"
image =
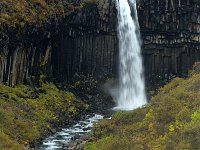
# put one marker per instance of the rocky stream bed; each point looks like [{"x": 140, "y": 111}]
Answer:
[{"x": 74, "y": 136}]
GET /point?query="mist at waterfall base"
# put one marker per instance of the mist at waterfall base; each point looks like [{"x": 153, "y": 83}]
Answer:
[{"x": 130, "y": 93}]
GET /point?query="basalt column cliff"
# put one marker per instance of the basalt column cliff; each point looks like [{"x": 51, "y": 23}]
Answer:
[
  {"x": 80, "y": 39},
  {"x": 169, "y": 29},
  {"x": 83, "y": 40},
  {"x": 88, "y": 43},
  {"x": 171, "y": 35}
]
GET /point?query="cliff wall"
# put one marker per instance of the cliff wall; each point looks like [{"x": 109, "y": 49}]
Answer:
[
  {"x": 79, "y": 39},
  {"x": 27, "y": 29},
  {"x": 88, "y": 43},
  {"x": 171, "y": 36},
  {"x": 170, "y": 32},
  {"x": 83, "y": 40}
]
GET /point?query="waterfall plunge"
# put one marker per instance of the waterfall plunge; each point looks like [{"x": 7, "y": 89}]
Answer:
[{"x": 131, "y": 82}]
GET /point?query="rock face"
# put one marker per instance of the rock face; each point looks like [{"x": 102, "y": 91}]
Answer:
[
  {"x": 170, "y": 31},
  {"x": 85, "y": 42},
  {"x": 88, "y": 43},
  {"x": 24, "y": 55},
  {"x": 171, "y": 35},
  {"x": 82, "y": 42}
]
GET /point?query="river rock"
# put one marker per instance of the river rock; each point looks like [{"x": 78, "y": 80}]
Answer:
[
  {"x": 85, "y": 138},
  {"x": 86, "y": 129},
  {"x": 52, "y": 130},
  {"x": 59, "y": 137},
  {"x": 75, "y": 137}
]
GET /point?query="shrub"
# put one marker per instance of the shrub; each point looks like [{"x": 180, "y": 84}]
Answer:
[{"x": 170, "y": 121}]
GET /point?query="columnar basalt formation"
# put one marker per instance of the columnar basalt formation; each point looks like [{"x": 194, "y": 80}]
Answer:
[
  {"x": 24, "y": 55},
  {"x": 85, "y": 41},
  {"x": 88, "y": 43},
  {"x": 171, "y": 35}
]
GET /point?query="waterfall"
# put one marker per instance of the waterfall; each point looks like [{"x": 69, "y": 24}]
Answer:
[{"x": 131, "y": 88}]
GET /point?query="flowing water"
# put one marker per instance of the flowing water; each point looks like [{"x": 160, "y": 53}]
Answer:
[
  {"x": 131, "y": 81},
  {"x": 61, "y": 139}
]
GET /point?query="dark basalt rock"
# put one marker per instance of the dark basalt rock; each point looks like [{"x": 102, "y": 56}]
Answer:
[
  {"x": 170, "y": 32},
  {"x": 85, "y": 42},
  {"x": 81, "y": 42},
  {"x": 75, "y": 137}
]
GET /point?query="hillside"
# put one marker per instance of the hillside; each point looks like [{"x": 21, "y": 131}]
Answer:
[
  {"x": 170, "y": 121},
  {"x": 26, "y": 118}
]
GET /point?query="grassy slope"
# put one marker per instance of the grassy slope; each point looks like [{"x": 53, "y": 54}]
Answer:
[
  {"x": 23, "y": 119},
  {"x": 171, "y": 121}
]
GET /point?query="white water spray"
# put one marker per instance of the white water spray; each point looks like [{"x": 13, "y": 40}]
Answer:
[{"x": 131, "y": 82}]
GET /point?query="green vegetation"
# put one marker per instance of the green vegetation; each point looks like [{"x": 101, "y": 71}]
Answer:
[
  {"x": 24, "y": 120},
  {"x": 85, "y": 85},
  {"x": 170, "y": 121},
  {"x": 18, "y": 13},
  {"x": 87, "y": 3}
]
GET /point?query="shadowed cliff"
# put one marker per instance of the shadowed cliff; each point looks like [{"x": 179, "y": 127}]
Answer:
[
  {"x": 170, "y": 31},
  {"x": 80, "y": 38}
]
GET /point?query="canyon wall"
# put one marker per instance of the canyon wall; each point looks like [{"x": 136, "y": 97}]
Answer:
[
  {"x": 171, "y": 36},
  {"x": 25, "y": 55},
  {"x": 88, "y": 43},
  {"x": 170, "y": 31},
  {"x": 85, "y": 42}
]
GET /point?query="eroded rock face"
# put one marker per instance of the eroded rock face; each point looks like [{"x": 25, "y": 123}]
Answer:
[
  {"x": 82, "y": 42},
  {"x": 171, "y": 35},
  {"x": 85, "y": 42},
  {"x": 25, "y": 55},
  {"x": 88, "y": 43}
]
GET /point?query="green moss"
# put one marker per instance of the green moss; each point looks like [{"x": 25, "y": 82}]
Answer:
[
  {"x": 18, "y": 13},
  {"x": 170, "y": 121},
  {"x": 196, "y": 116},
  {"x": 23, "y": 119}
]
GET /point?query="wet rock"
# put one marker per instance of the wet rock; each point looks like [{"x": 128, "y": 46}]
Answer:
[
  {"x": 64, "y": 146},
  {"x": 85, "y": 137},
  {"x": 75, "y": 137},
  {"x": 106, "y": 116},
  {"x": 74, "y": 146},
  {"x": 52, "y": 130},
  {"x": 86, "y": 129},
  {"x": 59, "y": 137},
  {"x": 83, "y": 123}
]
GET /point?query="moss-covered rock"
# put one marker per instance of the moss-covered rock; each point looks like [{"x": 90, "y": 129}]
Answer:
[{"x": 92, "y": 91}]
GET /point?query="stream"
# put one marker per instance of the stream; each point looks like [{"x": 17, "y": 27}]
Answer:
[{"x": 65, "y": 136}]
